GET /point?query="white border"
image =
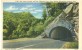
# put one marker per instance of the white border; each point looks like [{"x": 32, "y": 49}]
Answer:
[
  {"x": 1, "y": 26},
  {"x": 80, "y": 24}
]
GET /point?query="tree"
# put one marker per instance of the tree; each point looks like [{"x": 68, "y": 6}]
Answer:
[
  {"x": 44, "y": 14},
  {"x": 54, "y": 9}
]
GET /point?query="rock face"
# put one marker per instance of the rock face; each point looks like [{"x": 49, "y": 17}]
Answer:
[{"x": 68, "y": 19}]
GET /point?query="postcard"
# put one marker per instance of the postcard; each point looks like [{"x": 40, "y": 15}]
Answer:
[{"x": 40, "y": 24}]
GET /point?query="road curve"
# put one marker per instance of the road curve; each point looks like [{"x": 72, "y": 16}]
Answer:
[{"x": 35, "y": 43}]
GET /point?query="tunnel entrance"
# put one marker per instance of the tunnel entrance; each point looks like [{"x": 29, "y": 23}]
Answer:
[{"x": 61, "y": 33}]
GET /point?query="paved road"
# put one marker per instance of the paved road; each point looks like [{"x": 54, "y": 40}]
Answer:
[{"x": 35, "y": 43}]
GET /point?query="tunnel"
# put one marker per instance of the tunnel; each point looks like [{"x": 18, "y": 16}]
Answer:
[{"x": 60, "y": 33}]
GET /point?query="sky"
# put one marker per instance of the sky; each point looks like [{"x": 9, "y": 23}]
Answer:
[{"x": 35, "y": 9}]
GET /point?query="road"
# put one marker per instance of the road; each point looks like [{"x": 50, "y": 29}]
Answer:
[{"x": 35, "y": 43}]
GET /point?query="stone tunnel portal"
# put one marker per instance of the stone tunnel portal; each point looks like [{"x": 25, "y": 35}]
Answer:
[{"x": 61, "y": 33}]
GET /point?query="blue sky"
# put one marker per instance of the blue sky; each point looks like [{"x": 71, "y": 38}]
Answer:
[{"x": 34, "y": 8}]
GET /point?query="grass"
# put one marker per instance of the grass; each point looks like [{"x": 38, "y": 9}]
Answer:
[{"x": 71, "y": 45}]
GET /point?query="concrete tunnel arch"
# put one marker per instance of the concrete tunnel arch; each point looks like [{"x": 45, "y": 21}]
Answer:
[{"x": 61, "y": 33}]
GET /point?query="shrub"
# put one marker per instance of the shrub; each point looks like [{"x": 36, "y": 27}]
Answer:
[
  {"x": 48, "y": 20},
  {"x": 71, "y": 45}
]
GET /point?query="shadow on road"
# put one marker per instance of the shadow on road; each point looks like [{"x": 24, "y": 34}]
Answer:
[{"x": 67, "y": 40}]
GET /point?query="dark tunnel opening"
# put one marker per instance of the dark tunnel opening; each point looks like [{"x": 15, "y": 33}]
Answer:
[{"x": 61, "y": 33}]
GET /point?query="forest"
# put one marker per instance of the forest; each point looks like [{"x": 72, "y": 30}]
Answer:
[{"x": 24, "y": 24}]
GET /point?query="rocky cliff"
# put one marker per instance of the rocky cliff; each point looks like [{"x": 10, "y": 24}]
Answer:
[{"x": 69, "y": 19}]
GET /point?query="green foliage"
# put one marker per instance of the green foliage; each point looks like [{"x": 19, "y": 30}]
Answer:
[
  {"x": 30, "y": 32},
  {"x": 19, "y": 25},
  {"x": 5, "y": 31},
  {"x": 39, "y": 28},
  {"x": 24, "y": 24},
  {"x": 48, "y": 20},
  {"x": 54, "y": 9},
  {"x": 44, "y": 14},
  {"x": 35, "y": 30},
  {"x": 71, "y": 45}
]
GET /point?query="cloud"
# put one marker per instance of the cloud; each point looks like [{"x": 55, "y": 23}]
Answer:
[
  {"x": 11, "y": 8},
  {"x": 32, "y": 9},
  {"x": 17, "y": 11},
  {"x": 29, "y": 6},
  {"x": 33, "y": 12},
  {"x": 24, "y": 8},
  {"x": 39, "y": 10},
  {"x": 36, "y": 11}
]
